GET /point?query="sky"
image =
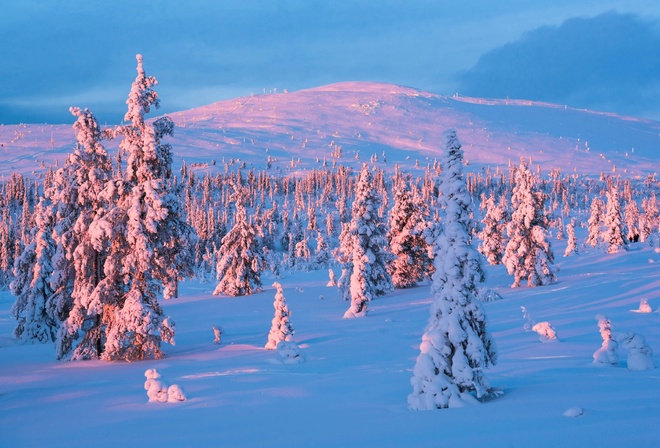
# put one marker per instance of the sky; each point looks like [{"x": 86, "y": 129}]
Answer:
[{"x": 600, "y": 54}]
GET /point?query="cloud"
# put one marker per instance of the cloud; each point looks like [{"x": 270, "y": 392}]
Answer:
[{"x": 610, "y": 62}]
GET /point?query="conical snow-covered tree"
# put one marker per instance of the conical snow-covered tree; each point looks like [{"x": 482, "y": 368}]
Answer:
[
  {"x": 408, "y": 220},
  {"x": 594, "y": 222},
  {"x": 456, "y": 346},
  {"x": 631, "y": 217},
  {"x": 31, "y": 286},
  {"x": 281, "y": 328},
  {"x": 492, "y": 238},
  {"x": 613, "y": 236},
  {"x": 240, "y": 261},
  {"x": 364, "y": 245},
  {"x": 528, "y": 254},
  {"x": 571, "y": 245}
]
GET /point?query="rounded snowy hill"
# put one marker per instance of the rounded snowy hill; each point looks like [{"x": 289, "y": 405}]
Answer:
[{"x": 350, "y": 123}]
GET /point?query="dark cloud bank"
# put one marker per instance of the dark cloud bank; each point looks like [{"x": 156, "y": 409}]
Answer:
[{"x": 610, "y": 62}]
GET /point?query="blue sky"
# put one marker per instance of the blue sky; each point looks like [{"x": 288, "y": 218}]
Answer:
[{"x": 591, "y": 54}]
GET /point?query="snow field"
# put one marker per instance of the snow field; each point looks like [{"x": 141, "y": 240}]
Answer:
[{"x": 352, "y": 388}]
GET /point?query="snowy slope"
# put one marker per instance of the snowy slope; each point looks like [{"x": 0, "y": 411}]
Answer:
[
  {"x": 352, "y": 389},
  {"x": 368, "y": 118}
]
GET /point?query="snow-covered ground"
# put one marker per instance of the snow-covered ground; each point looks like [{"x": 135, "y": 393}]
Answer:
[{"x": 352, "y": 388}]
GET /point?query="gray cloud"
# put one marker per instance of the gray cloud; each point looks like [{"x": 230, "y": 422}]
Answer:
[{"x": 610, "y": 62}]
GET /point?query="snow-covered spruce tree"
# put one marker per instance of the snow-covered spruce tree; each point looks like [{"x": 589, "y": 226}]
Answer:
[
  {"x": 528, "y": 254},
  {"x": 31, "y": 286},
  {"x": 456, "y": 346},
  {"x": 77, "y": 194},
  {"x": 240, "y": 260},
  {"x": 365, "y": 247},
  {"x": 613, "y": 235},
  {"x": 631, "y": 218},
  {"x": 594, "y": 222},
  {"x": 134, "y": 234},
  {"x": 571, "y": 244},
  {"x": 281, "y": 329},
  {"x": 492, "y": 234},
  {"x": 149, "y": 247},
  {"x": 408, "y": 220}
]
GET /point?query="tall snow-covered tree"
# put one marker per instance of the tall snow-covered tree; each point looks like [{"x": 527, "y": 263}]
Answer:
[
  {"x": 365, "y": 247},
  {"x": 31, "y": 286},
  {"x": 77, "y": 194},
  {"x": 134, "y": 234},
  {"x": 613, "y": 235},
  {"x": 152, "y": 234},
  {"x": 408, "y": 220},
  {"x": 528, "y": 254},
  {"x": 240, "y": 261},
  {"x": 456, "y": 346},
  {"x": 281, "y": 328}
]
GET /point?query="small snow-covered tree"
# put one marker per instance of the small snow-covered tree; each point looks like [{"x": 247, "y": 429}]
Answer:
[
  {"x": 456, "y": 346},
  {"x": 594, "y": 222},
  {"x": 571, "y": 245},
  {"x": 528, "y": 254},
  {"x": 281, "y": 328},
  {"x": 606, "y": 354},
  {"x": 492, "y": 234},
  {"x": 240, "y": 261},
  {"x": 364, "y": 247},
  {"x": 631, "y": 218},
  {"x": 613, "y": 236}
]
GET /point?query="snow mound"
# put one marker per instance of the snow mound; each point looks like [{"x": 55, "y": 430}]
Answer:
[
  {"x": 644, "y": 307},
  {"x": 573, "y": 412},
  {"x": 545, "y": 331},
  {"x": 290, "y": 352},
  {"x": 158, "y": 391}
]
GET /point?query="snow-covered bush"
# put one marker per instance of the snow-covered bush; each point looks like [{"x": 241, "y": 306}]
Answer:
[
  {"x": 157, "y": 390},
  {"x": 644, "y": 306},
  {"x": 640, "y": 355},
  {"x": 290, "y": 352},
  {"x": 545, "y": 331},
  {"x": 486, "y": 294}
]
